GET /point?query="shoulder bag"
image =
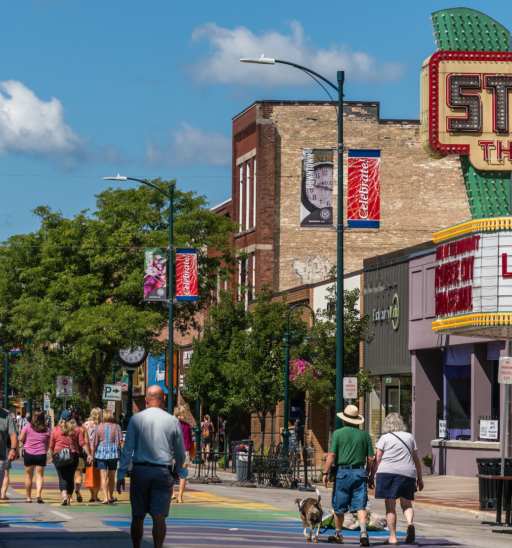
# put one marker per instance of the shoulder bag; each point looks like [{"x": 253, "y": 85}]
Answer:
[{"x": 63, "y": 457}]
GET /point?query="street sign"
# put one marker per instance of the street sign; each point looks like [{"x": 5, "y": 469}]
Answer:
[
  {"x": 112, "y": 392},
  {"x": 505, "y": 371},
  {"x": 47, "y": 406},
  {"x": 111, "y": 406},
  {"x": 442, "y": 429},
  {"x": 64, "y": 387},
  {"x": 350, "y": 388}
]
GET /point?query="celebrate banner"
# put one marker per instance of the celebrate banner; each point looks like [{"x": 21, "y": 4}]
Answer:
[
  {"x": 186, "y": 275},
  {"x": 155, "y": 263},
  {"x": 363, "y": 209}
]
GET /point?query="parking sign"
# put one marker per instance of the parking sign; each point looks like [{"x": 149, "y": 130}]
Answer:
[{"x": 112, "y": 392}]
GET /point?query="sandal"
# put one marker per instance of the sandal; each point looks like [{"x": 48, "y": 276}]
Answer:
[
  {"x": 112, "y": 501},
  {"x": 387, "y": 543},
  {"x": 40, "y": 501},
  {"x": 64, "y": 502},
  {"x": 105, "y": 502},
  {"x": 78, "y": 495},
  {"x": 411, "y": 534},
  {"x": 4, "y": 498}
]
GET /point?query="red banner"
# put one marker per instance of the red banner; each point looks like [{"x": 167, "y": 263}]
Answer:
[
  {"x": 363, "y": 209},
  {"x": 186, "y": 275}
]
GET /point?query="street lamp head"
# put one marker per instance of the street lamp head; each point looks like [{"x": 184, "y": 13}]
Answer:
[
  {"x": 261, "y": 61},
  {"x": 118, "y": 178}
]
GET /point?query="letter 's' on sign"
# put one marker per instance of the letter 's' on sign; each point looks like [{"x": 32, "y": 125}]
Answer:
[{"x": 465, "y": 107}]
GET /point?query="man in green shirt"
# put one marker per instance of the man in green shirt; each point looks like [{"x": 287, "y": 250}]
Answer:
[{"x": 351, "y": 448}]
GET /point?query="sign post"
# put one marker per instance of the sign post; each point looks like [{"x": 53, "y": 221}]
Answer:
[
  {"x": 64, "y": 388},
  {"x": 505, "y": 377},
  {"x": 350, "y": 389}
]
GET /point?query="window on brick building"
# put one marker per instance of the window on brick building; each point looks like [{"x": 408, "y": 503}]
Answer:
[
  {"x": 253, "y": 275},
  {"x": 240, "y": 218},
  {"x": 254, "y": 192},
  {"x": 248, "y": 196}
]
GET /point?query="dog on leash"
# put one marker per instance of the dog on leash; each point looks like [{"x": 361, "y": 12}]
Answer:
[{"x": 311, "y": 513}]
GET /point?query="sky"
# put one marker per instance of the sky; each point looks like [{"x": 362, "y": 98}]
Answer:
[{"x": 148, "y": 89}]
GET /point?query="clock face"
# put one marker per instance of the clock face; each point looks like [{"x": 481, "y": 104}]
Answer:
[
  {"x": 132, "y": 356},
  {"x": 321, "y": 193}
]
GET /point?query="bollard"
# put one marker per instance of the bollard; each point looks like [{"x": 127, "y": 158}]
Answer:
[{"x": 306, "y": 487}]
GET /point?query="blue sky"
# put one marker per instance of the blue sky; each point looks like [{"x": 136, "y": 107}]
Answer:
[{"x": 100, "y": 87}]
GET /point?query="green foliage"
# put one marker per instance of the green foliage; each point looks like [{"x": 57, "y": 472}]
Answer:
[
  {"x": 238, "y": 365},
  {"x": 71, "y": 293},
  {"x": 427, "y": 461},
  {"x": 356, "y": 329}
]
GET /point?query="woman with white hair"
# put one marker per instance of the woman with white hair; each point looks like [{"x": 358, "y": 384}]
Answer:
[{"x": 398, "y": 471}]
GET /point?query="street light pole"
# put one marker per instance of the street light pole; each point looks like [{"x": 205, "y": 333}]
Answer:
[
  {"x": 170, "y": 196},
  {"x": 6, "y": 385},
  {"x": 340, "y": 351},
  {"x": 197, "y": 459},
  {"x": 285, "y": 434}
]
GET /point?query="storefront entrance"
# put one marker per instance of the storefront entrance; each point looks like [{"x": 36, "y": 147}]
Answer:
[{"x": 392, "y": 395}]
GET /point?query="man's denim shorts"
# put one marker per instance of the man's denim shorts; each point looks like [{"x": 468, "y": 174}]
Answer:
[
  {"x": 150, "y": 491},
  {"x": 350, "y": 491}
]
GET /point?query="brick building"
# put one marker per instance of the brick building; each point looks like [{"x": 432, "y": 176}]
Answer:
[{"x": 419, "y": 195}]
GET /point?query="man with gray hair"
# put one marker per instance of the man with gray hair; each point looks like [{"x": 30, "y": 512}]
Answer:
[
  {"x": 153, "y": 439},
  {"x": 351, "y": 448}
]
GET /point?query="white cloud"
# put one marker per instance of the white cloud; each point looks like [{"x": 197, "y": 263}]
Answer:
[
  {"x": 228, "y": 46},
  {"x": 189, "y": 146},
  {"x": 30, "y": 126}
]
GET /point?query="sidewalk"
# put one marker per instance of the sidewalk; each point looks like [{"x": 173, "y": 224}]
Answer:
[{"x": 450, "y": 494}]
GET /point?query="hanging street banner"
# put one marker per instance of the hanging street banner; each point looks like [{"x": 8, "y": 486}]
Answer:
[
  {"x": 186, "y": 275},
  {"x": 155, "y": 270},
  {"x": 363, "y": 207},
  {"x": 156, "y": 371},
  {"x": 316, "y": 187}
]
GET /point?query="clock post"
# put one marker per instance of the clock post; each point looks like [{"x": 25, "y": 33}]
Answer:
[{"x": 129, "y": 401}]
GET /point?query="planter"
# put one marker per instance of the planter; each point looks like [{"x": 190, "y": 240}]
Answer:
[{"x": 241, "y": 466}]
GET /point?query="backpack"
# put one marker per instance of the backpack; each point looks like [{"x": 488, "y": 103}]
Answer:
[{"x": 207, "y": 430}]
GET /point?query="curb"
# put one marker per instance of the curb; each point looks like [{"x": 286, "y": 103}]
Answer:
[{"x": 451, "y": 510}]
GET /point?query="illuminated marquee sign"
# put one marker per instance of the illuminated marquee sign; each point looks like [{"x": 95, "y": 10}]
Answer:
[
  {"x": 473, "y": 282},
  {"x": 465, "y": 107}
]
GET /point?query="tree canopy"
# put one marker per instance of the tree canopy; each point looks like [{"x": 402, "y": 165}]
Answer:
[{"x": 71, "y": 293}]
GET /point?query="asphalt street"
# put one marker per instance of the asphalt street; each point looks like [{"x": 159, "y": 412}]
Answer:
[{"x": 212, "y": 515}]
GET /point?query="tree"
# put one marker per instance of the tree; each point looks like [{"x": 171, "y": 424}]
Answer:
[
  {"x": 319, "y": 381},
  {"x": 71, "y": 293},
  {"x": 238, "y": 367}
]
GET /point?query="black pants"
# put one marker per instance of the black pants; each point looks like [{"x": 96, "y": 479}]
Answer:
[{"x": 67, "y": 475}]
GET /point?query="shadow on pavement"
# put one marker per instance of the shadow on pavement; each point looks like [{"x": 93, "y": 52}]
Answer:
[{"x": 106, "y": 539}]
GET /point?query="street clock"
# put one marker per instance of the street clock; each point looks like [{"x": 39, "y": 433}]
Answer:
[{"x": 133, "y": 357}]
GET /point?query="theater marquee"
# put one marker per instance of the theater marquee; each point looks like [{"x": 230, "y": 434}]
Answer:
[{"x": 465, "y": 108}]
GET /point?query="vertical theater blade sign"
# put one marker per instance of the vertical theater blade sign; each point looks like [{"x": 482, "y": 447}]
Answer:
[{"x": 465, "y": 113}]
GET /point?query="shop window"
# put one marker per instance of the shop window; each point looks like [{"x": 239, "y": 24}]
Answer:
[
  {"x": 416, "y": 295},
  {"x": 457, "y": 393}
]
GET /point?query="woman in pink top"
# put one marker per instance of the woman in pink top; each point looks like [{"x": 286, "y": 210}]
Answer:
[{"x": 36, "y": 439}]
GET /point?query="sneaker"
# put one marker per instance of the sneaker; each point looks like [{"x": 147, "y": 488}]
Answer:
[
  {"x": 364, "y": 539},
  {"x": 337, "y": 538}
]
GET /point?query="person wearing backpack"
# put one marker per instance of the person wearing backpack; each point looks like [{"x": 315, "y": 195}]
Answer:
[
  {"x": 399, "y": 474},
  {"x": 207, "y": 432}
]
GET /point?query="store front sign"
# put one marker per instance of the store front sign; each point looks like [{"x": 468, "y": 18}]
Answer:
[
  {"x": 386, "y": 314},
  {"x": 465, "y": 107},
  {"x": 489, "y": 430}
]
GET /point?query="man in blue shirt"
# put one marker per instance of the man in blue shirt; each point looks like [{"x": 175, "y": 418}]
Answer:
[{"x": 153, "y": 439}]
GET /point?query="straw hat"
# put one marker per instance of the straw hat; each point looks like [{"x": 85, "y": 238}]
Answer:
[{"x": 351, "y": 415}]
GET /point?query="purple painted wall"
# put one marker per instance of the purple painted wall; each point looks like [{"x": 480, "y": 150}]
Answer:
[{"x": 459, "y": 462}]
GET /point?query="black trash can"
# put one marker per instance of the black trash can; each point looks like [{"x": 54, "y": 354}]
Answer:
[{"x": 488, "y": 488}]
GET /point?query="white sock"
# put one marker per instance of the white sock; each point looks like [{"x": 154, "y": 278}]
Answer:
[{"x": 363, "y": 527}]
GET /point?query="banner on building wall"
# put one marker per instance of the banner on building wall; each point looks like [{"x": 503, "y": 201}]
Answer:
[
  {"x": 316, "y": 187},
  {"x": 157, "y": 371},
  {"x": 186, "y": 275},
  {"x": 363, "y": 208},
  {"x": 155, "y": 271}
]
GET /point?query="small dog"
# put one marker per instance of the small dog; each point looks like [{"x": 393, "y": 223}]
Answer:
[{"x": 311, "y": 513}]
